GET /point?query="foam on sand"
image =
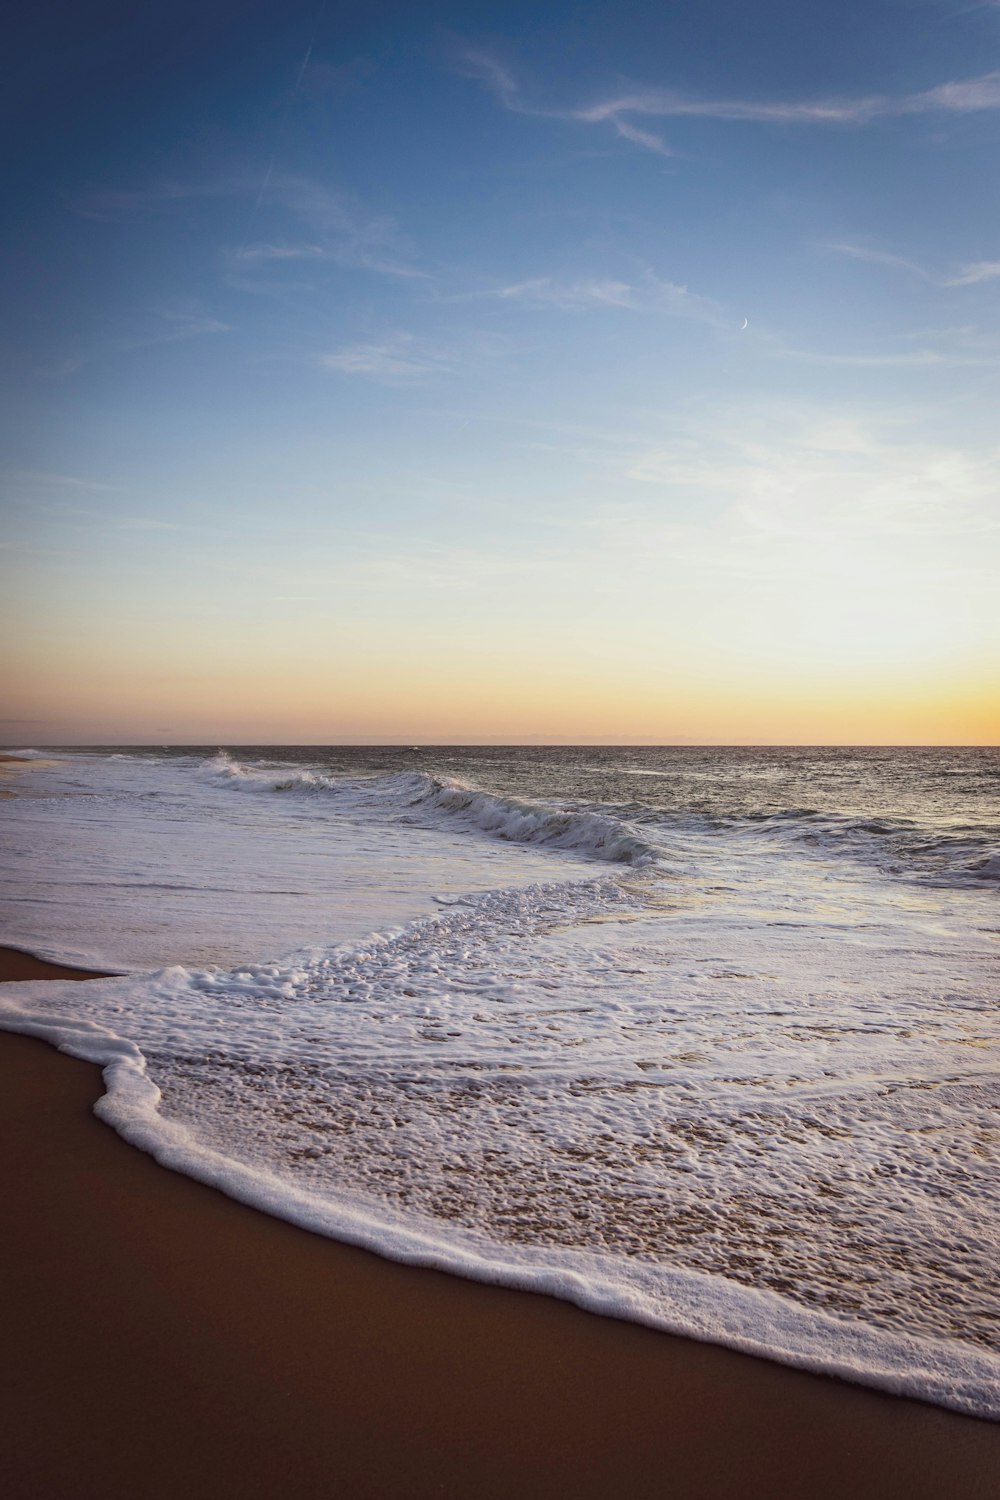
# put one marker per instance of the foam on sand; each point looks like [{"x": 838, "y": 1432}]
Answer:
[
  {"x": 745, "y": 1091},
  {"x": 669, "y": 1298}
]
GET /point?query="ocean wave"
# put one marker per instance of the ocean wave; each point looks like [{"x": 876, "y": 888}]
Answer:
[
  {"x": 967, "y": 855},
  {"x": 492, "y": 1092},
  {"x": 638, "y": 834},
  {"x": 223, "y": 769},
  {"x": 709, "y": 1107},
  {"x": 595, "y": 835}
]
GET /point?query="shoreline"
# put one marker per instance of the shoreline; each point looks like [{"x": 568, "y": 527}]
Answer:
[
  {"x": 11, "y": 764},
  {"x": 18, "y": 963},
  {"x": 163, "y": 1338}
]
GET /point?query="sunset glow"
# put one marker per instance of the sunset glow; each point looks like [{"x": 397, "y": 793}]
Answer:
[{"x": 418, "y": 381}]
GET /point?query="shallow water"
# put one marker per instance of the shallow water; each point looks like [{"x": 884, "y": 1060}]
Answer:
[{"x": 704, "y": 1037}]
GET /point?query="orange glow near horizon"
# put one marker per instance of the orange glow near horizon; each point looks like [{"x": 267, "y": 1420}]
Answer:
[{"x": 395, "y": 698}]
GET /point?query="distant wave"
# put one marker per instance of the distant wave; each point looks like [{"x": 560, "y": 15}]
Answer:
[
  {"x": 224, "y": 769},
  {"x": 591, "y": 834},
  {"x": 966, "y": 855},
  {"x": 960, "y": 856}
]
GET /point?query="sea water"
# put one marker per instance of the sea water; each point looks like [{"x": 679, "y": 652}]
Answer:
[{"x": 706, "y": 1038}]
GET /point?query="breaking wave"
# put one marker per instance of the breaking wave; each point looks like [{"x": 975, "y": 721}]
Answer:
[
  {"x": 594, "y": 835},
  {"x": 228, "y": 772},
  {"x": 590, "y": 833},
  {"x": 636, "y": 833}
]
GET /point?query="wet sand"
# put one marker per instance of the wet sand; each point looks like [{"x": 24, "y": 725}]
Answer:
[
  {"x": 161, "y": 1340},
  {"x": 10, "y": 763}
]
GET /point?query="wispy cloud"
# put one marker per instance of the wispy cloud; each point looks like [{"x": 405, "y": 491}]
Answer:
[
  {"x": 904, "y": 359},
  {"x": 546, "y": 291},
  {"x": 486, "y": 69},
  {"x": 923, "y": 348},
  {"x": 118, "y": 203},
  {"x": 340, "y": 227},
  {"x": 43, "y": 479},
  {"x": 970, "y": 274},
  {"x": 61, "y": 369},
  {"x": 968, "y": 97},
  {"x": 162, "y": 326},
  {"x": 812, "y": 474},
  {"x": 980, "y": 270},
  {"x": 849, "y": 545},
  {"x": 647, "y": 138},
  {"x": 795, "y": 470},
  {"x": 74, "y": 498},
  {"x": 176, "y": 326},
  {"x": 399, "y": 359},
  {"x": 651, "y": 294},
  {"x": 255, "y": 254},
  {"x": 343, "y": 229},
  {"x": 876, "y": 257},
  {"x": 42, "y": 503},
  {"x": 618, "y": 109}
]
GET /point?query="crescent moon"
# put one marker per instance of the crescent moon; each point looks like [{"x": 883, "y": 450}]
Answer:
[{"x": 744, "y": 324}]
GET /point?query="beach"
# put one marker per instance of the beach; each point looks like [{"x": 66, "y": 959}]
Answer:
[
  {"x": 500, "y": 793},
  {"x": 162, "y": 1339},
  {"x": 11, "y": 764}
]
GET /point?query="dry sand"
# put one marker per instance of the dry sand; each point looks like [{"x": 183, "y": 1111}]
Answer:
[{"x": 161, "y": 1340}]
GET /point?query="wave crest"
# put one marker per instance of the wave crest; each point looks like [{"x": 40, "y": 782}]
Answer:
[
  {"x": 228, "y": 772},
  {"x": 521, "y": 822},
  {"x": 591, "y": 834}
]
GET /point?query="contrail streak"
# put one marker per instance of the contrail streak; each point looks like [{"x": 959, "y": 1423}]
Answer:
[
  {"x": 298, "y": 82},
  {"x": 312, "y": 43},
  {"x": 263, "y": 190},
  {"x": 256, "y": 207}
]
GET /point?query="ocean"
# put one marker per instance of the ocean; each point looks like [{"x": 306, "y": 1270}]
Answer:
[{"x": 707, "y": 1038}]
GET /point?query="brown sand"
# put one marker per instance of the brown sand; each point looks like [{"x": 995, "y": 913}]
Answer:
[
  {"x": 160, "y": 1340},
  {"x": 17, "y": 965},
  {"x": 10, "y": 762}
]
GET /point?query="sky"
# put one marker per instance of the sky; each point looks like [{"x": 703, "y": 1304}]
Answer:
[{"x": 518, "y": 373}]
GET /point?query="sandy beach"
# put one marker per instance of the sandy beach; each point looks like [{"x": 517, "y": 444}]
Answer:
[
  {"x": 11, "y": 764},
  {"x": 501, "y": 527},
  {"x": 161, "y": 1339}
]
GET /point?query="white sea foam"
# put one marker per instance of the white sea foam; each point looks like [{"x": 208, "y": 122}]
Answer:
[
  {"x": 128, "y": 863},
  {"x": 523, "y": 822},
  {"x": 947, "y": 853},
  {"x": 223, "y": 769},
  {"x": 506, "y": 1094},
  {"x": 748, "y": 1092}
]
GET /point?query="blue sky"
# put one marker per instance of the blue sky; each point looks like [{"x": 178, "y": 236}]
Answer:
[{"x": 473, "y": 372}]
